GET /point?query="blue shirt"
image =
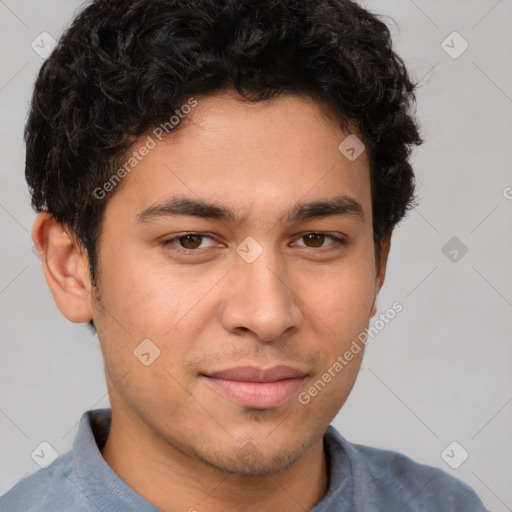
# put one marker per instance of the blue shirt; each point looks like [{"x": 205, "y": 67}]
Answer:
[{"x": 362, "y": 479}]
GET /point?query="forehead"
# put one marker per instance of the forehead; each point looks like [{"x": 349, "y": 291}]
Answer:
[{"x": 251, "y": 157}]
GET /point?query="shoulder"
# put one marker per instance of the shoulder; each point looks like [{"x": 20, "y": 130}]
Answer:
[
  {"x": 392, "y": 477},
  {"x": 415, "y": 484},
  {"x": 50, "y": 489}
]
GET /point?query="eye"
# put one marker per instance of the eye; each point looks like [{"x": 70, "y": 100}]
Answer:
[
  {"x": 187, "y": 243},
  {"x": 317, "y": 239}
]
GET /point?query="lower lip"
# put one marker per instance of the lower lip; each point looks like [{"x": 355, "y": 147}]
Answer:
[{"x": 258, "y": 395}]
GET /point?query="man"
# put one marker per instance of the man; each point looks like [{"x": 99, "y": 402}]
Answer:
[{"x": 217, "y": 185}]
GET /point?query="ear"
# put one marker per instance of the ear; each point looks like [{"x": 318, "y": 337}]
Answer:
[
  {"x": 381, "y": 270},
  {"x": 65, "y": 267}
]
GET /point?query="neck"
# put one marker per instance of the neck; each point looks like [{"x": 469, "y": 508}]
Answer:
[{"x": 172, "y": 480}]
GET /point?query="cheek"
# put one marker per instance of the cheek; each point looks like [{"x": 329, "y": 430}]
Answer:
[
  {"x": 343, "y": 297},
  {"x": 150, "y": 298}
]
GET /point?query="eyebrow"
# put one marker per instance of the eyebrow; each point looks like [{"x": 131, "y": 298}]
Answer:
[{"x": 342, "y": 205}]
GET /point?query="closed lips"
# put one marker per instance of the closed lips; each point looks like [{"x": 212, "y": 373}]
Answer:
[
  {"x": 255, "y": 387},
  {"x": 252, "y": 374}
]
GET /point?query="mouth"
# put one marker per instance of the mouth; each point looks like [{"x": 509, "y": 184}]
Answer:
[{"x": 256, "y": 387}]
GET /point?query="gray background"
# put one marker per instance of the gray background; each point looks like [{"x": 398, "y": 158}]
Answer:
[{"x": 440, "y": 372}]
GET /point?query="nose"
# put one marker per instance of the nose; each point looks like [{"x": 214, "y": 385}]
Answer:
[{"x": 261, "y": 298}]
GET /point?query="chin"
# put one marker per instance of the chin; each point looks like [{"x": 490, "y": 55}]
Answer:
[{"x": 250, "y": 461}]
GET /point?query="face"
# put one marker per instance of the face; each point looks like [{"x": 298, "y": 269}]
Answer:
[{"x": 231, "y": 294}]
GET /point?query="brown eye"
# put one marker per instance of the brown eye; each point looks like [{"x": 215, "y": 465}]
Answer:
[
  {"x": 316, "y": 239},
  {"x": 190, "y": 241},
  {"x": 187, "y": 243}
]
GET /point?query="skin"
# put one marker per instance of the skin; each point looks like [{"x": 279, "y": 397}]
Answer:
[{"x": 175, "y": 440}]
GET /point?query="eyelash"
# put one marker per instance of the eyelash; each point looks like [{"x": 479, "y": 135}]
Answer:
[{"x": 170, "y": 241}]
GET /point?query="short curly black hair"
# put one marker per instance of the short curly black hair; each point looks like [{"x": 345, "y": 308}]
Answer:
[{"x": 124, "y": 66}]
